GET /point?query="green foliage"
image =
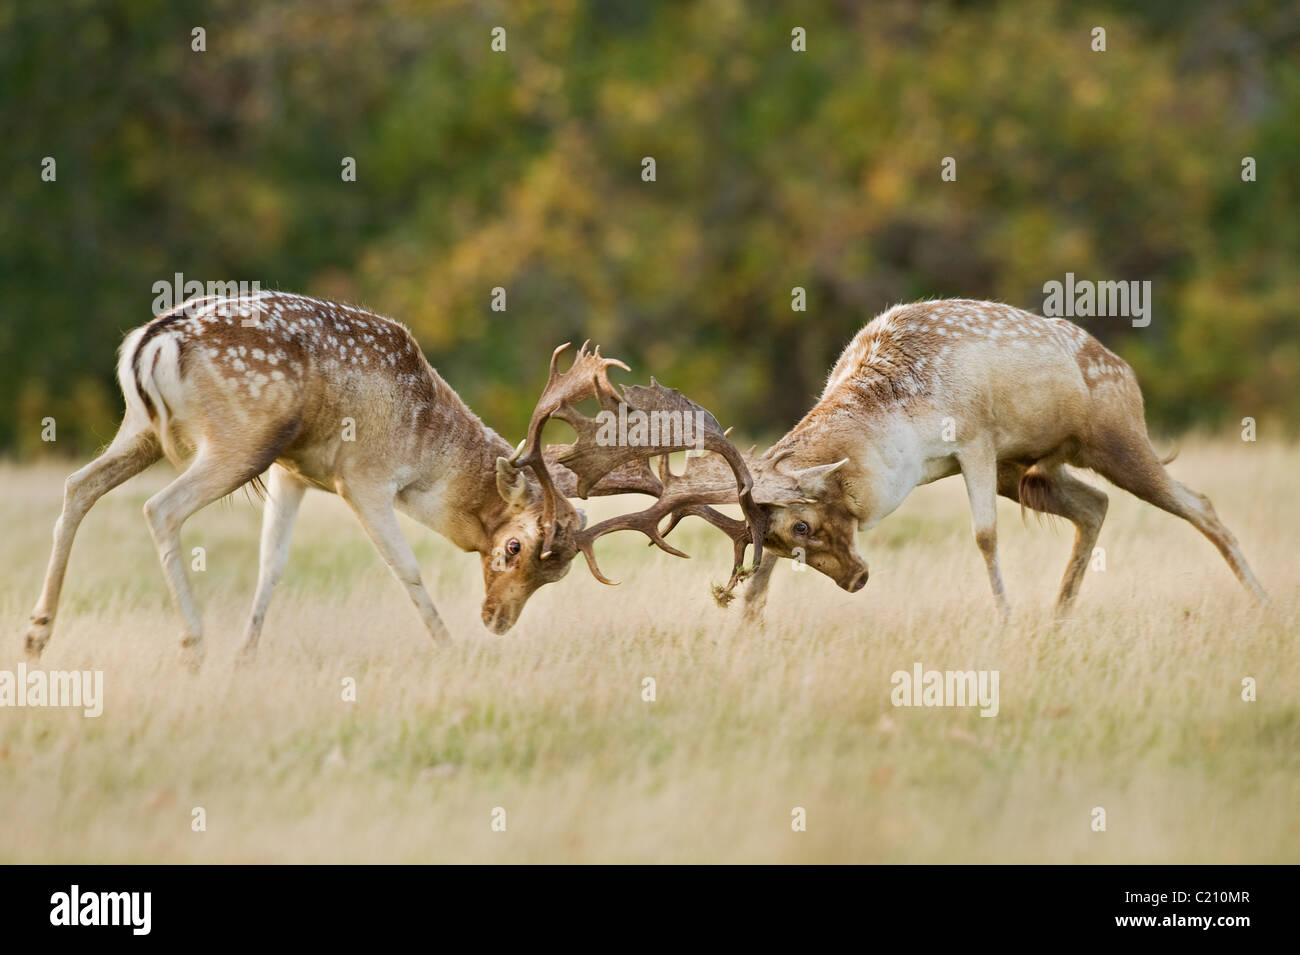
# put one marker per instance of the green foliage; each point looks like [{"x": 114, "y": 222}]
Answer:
[{"x": 775, "y": 169}]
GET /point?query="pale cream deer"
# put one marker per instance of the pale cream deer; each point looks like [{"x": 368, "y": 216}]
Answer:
[{"x": 1004, "y": 397}]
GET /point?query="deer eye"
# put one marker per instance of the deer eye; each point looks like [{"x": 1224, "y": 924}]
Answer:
[
  {"x": 513, "y": 546},
  {"x": 801, "y": 528}
]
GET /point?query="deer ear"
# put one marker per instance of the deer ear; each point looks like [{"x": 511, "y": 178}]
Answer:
[
  {"x": 814, "y": 482},
  {"x": 512, "y": 485}
]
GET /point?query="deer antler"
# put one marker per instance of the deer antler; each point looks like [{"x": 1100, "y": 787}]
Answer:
[
  {"x": 608, "y": 459},
  {"x": 587, "y": 377},
  {"x": 593, "y": 461},
  {"x": 707, "y": 480}
]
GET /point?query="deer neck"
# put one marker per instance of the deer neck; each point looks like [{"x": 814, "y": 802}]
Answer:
[
  {"x": 832, "y": 430},
  {"x": 881, "y": 444},
  {"x": 456, "y": 493}
]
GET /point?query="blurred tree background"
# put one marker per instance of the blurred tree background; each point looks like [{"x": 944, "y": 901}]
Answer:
[{"x": 775, "y": 169}]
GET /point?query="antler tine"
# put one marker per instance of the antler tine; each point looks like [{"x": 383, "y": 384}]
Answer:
[
  {"x": 553, "y": 373},
  {"x": 589, "y": 554},
  {"x": 647, "y": 522}
]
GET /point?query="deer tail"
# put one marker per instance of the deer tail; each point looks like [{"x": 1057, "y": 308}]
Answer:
[{"x": 149, "y": 373}]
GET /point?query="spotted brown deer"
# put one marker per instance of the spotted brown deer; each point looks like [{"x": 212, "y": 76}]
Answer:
[
  {"x": 333, "y": 397},
  {"x": 1004, "y": 397}
]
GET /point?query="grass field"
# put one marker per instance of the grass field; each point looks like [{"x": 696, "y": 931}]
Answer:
[{"x": 1133, "y": 705}]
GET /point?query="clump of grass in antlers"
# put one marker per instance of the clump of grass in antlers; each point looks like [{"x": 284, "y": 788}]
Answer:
[{"x": 723, "y": 596}]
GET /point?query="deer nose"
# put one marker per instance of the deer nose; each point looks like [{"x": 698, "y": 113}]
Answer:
[
  {"x": 857, "y": 583},
  {"x": 496, "y": 620}
]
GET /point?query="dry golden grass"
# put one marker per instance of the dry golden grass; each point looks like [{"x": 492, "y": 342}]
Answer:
[{"x": 1133, "y": 705}]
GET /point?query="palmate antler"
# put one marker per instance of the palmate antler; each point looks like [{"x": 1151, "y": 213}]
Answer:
[
  {"x": 608, "y": 459},
  {"x": 587, "y": 377}
]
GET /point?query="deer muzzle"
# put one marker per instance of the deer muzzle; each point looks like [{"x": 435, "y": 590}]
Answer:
[
  {"x": 499, "y": 618},
  {"x": 857, "y": 582}
]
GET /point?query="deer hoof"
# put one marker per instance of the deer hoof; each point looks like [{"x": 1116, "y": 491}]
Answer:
[
  {"x": 192, "y": 653},
  {"x": 38, "y": 635}
]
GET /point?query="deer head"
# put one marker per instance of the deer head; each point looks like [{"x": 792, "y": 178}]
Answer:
[
  {"x": 519, "y": 560},
  {"x": 808, "y": 518},
  {"x": 542, "y": 532},
  {"x": 803, "y": 514}
]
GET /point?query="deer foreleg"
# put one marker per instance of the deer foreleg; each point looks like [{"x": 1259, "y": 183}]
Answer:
[
  {"x": 375, "y": 512},
  {"x": 979, "y": 468},
  {"x": 756, "y": 589}
]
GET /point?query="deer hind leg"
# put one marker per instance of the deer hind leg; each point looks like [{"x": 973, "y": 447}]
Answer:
[
  {"x": 1052, "y": 490},
  {"x": 210, "y": 477},
  {"x": 1128, "y": 461},
  {"x": 284, "y": 494},
  {"x": 374, "y": 509},
  {"x": 979, "y": 468},
  {"x": 130, "y": 453}
]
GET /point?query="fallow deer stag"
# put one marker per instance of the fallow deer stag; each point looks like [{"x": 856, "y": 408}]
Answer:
[
  {"x": 1003, "y": 396},
  {"x": 333, "y": 397}
]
